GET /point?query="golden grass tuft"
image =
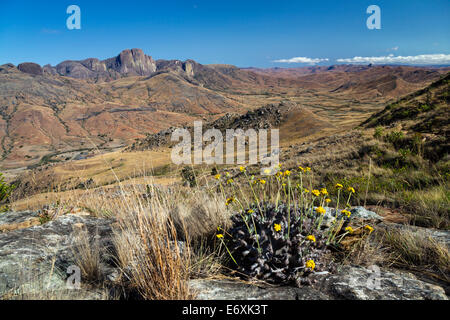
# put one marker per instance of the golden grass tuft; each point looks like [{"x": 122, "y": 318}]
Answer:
[
  {"x": 418, "y": 252},
  {"x": 87, "y": 256},
  {"x": 153, "y": 262}
]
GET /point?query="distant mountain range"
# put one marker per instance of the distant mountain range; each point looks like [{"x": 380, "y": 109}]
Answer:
[{"x": 52, "y": 111}]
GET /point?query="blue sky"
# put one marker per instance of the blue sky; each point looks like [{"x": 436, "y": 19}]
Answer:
[{"x": 243, "y": 33}]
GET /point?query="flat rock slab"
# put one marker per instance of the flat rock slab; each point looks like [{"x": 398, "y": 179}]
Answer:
[
  {"x": 357, "y": 213},
  {"x": 359, "y": 283},
  {"x": 32, "y": 257},
  {"x": 237, "y": 290},
  {"x": 10, "y": 221},
  {"x": 442, "y": 236},
  {"x": 364, "y": 214},
  {"x": 350, "y": 283}
]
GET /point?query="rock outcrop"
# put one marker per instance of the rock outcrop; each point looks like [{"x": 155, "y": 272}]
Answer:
[
  {"x": 359, "y": 283},
  {"x": 350, "y": 283},
  {"x": 30, "y": 68},
  {"x": 10, "y": 221},
  {"x": 35, "y": 261},
  {"x": 128, "y": 63},
  {"x": 132, "y": 62},
  {"x": 238, "y": 290}
]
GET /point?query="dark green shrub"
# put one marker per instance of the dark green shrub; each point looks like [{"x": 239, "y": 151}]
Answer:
[
  {"x": 394, "y": 137},
  {"x": 5, "y": 189},
  {"x": 378, "y": 132},
  {"x": 188, "y": 176}
]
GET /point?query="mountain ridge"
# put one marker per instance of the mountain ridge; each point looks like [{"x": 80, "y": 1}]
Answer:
[{"x": 107, "y": 104}]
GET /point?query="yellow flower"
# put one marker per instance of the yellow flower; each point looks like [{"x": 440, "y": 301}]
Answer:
[
  {"x": 229, "y": 181},
  {"x": 306, "y": 191},
  {"x": 346, "y": 212},
  {"x": 277, "y": 227},
  {"x": 241, "y": 168},
  {"x": 283, "y": 184},
  {"x": 217, "y": 176},
  {"x": 227, "y": 174},
  {"x": 301, "y": 168},
  {"x": 327, "y": 200},
  {"x": 250, "y": 211},
  {"x": 278, "y": 174},
  {"x": 287, "y": 173},
  {"x": 368, "y": 228},
  {"x": 311, "y": 238},
  {"x": 316, "y": 192},
  {"x": 229, "y": 200},
  {"x": 349, "y": 229},
  {"x": 339, "y": 186},
  {"x": 350, "y": 189},
  {"x": 279, "y": 165},
  {"x": 310, "y": 264},
  {"x": 220, "y": 236},
  {"x": 308, "y": 169},
  {"x": 323, "y": 191},
  {"x": 262, "y": 181},
  {"x": 320, "y": 210}
]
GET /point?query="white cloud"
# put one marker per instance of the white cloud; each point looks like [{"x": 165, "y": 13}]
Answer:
[
  {"x": 301, "y": 60},
  {"x": 50, "y": 31},
  {"x": 391, "y": 59},
  {"x": 393, "y": 49}
]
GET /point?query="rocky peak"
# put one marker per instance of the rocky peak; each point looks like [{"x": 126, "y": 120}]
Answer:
[
  {"x": 7, "y": 68},
  {"x": 94, "y": 64},
  {"x": 133, "y": 62},
  {"x": 30, "y": 68},
  {"x": 129, "y": 62},
  {"x": 186, "y": 68}
]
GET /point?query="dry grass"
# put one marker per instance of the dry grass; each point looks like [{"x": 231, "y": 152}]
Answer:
[
  {"x": 403, "y": 249},
  {"x": 201, "y": 212},
  {"x": 153, "y": 262},
  {"x": 418, "y": 252},
  {"x": 150, "y": 221},
  {"x": 32, "y": 284},
  {"x": 104, "y": 169},
  {"x": 366, "y": 251},
  {"x": 207, "y": 261},
  {"x": 150, "y": 218},
  {"x": 87, "y": 256},
  {"x": 428, "y": 207}
]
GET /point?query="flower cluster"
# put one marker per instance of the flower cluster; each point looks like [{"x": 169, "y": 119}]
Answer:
[
  {"x": 261, "y": 249},
  {"x": 278, "y": 232}
]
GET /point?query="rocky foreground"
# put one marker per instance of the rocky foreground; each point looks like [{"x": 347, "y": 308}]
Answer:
[{"x": 36, "y": 260}]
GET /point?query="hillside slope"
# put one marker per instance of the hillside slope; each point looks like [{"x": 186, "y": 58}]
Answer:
[
  {"x": 59, "y": 113},
  {"x": 293, "y": 121}
]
